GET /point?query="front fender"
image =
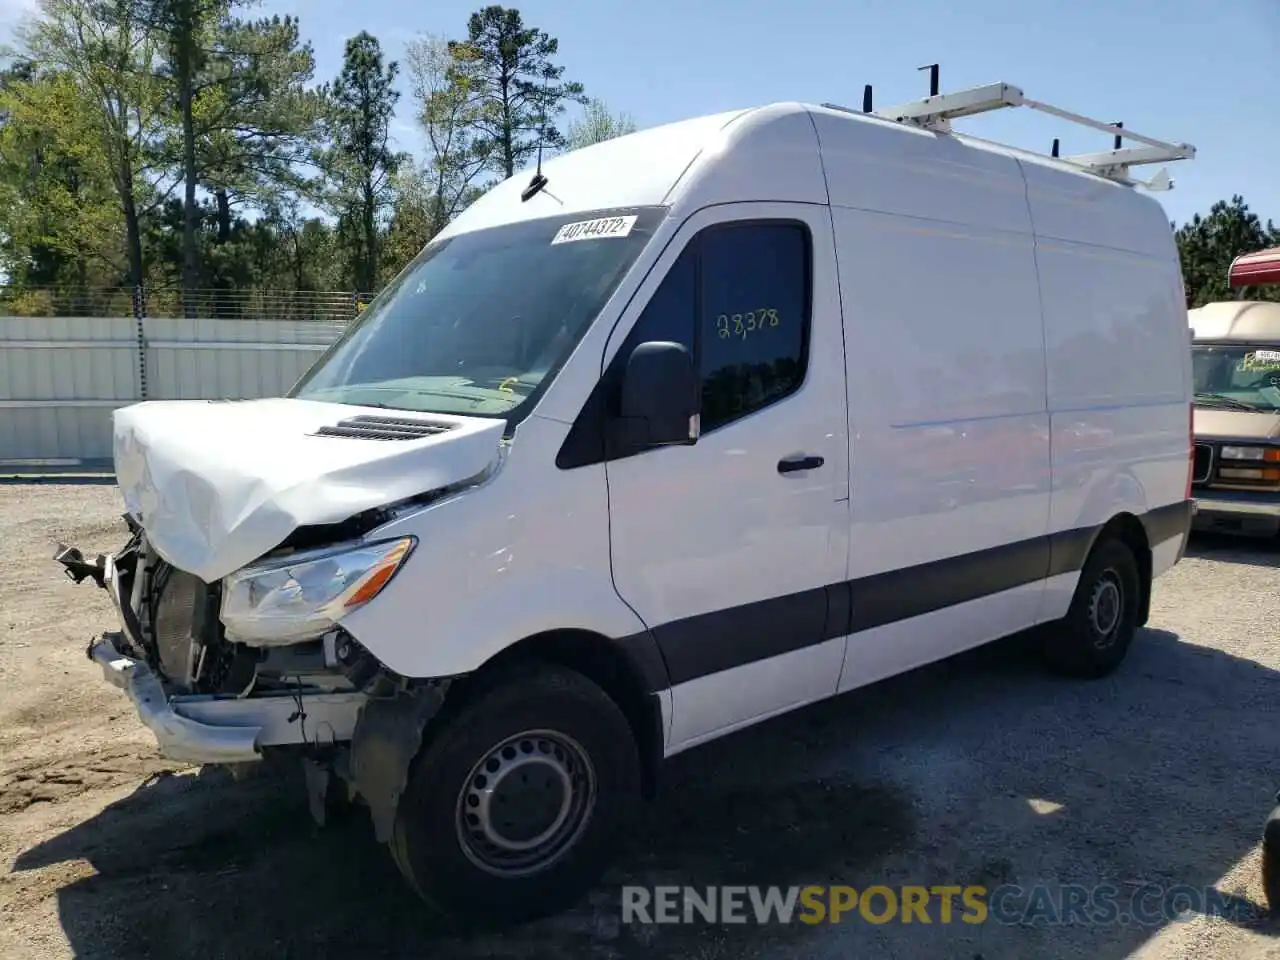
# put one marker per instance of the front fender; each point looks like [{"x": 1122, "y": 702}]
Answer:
[
  {"x": 523, "y": 553},
  {"x": 415, "y": 634}
]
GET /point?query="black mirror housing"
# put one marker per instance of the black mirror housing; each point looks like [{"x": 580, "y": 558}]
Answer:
[{"x": 660, "y": 397}]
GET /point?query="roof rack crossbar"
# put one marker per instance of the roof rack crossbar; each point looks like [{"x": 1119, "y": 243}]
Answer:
[
  {"x": 1184, "y": 151},
  {"x": 936, "y": 112},
  {"x": 1129, "y": 157}
]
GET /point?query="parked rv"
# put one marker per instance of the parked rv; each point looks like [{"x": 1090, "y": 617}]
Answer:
[
  {"x": 1236, "y": 365},
  {"x": 697, "y": 426}
]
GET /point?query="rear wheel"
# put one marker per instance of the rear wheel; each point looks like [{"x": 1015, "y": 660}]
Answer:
[
  {"x": 514, "y": 809},
  {"x": 1094, "y": 637},
  {"x": 1271, "y": 860}
]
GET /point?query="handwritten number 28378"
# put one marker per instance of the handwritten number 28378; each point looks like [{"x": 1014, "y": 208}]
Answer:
[{"x": 740, "y": 324}]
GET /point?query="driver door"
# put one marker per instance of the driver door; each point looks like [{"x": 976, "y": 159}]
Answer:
[{"x": 733, "y": 550}]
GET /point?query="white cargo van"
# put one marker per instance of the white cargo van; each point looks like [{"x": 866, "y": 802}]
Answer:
[{"x": 702, "y": 424}]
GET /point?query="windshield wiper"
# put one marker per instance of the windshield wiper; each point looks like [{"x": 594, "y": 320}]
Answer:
[
  {"x": 1208, "y": 399},
  {"x": 360, "y": 403}
]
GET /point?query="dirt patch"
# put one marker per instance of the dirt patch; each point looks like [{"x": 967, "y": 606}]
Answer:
[{"x": 50, "y": 780}]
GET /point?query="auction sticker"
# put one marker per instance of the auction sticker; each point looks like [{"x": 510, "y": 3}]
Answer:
[{"x": 594, "y": 229}]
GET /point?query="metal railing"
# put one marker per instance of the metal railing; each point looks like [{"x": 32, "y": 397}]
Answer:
[
  {"x": 69, "y": 358},
  {"x": 328, "y": 306}
]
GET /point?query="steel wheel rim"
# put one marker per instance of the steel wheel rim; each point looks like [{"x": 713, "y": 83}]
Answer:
[
  {"x": 526, "y": 803},
  {"x": 1106, "y": 609}
]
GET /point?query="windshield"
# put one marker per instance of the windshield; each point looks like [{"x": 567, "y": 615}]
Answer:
[
  {"x": 479, "y": 321},
  {"x": 1239, "y": 377}
]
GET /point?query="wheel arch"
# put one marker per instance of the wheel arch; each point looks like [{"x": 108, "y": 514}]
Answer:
[
  {"x": 630, "y": 671},
  {"x": 1130, "y": 531}
]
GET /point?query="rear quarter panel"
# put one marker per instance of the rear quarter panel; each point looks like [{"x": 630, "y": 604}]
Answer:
[{"x": 1118, "y": 367}]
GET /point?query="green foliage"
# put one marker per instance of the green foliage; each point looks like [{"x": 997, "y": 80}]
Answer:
[
  {"x": 256, "y": 119},
  {"x": 413, "y": 221},
  {"x": 111, "y": 58},
  {"x": 185, "y": 147},
  {"x": 448, "y": 87},
  {"x": 178, "y": 145},
  {"x": 597, "y": 124},
  {"x": 61, "y": 224},
  {"x": 1208, "y": 244},
  {"x": 521, "y": 91},
  {"x": 361, "y": 164},
  {"x": 187, "y": 30}
]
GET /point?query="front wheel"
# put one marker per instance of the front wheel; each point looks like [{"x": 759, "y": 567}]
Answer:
[
  {"x": 1093, "y": 639},
  {"x": 514, "y": 809}
]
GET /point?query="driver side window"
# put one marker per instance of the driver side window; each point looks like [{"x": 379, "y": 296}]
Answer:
[
  {"x": 738, "y": 299},
  {"x": 669, "y": 315}
]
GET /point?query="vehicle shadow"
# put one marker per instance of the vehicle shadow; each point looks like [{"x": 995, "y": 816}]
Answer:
[
  {"x": 1253, "y": 551},
  {"x": 978, "y": 770}
]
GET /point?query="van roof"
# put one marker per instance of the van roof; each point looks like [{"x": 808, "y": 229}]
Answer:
[
  {"x": 1248, "y": 321},
  {"x": 770, "y": 152}
]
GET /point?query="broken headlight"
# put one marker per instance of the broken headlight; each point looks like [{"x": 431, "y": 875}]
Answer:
[{"x": 299, "y": 597}]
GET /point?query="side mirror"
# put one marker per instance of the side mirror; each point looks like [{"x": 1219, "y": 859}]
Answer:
[{"x": 661, "y": 397}]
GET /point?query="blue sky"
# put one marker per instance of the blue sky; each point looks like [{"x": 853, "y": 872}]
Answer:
[{"x": 1205, "y": 72}]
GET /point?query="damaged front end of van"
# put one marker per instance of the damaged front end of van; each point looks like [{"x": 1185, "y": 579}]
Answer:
[
  {"x": 280, "y": 590},
  {"x": 252, "y": 532}
]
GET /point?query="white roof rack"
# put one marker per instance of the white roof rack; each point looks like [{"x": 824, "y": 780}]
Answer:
[{"x": 936, "y": 111}]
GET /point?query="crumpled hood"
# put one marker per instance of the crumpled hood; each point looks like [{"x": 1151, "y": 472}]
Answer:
[
  {"x": 1236, "y": 424},
  {"x": 216, "y": 484}
]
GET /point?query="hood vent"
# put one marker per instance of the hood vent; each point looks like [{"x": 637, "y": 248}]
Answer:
[{"x": 384, "y": 428}]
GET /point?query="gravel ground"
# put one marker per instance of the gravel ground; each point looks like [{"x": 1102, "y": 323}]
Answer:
[{"x": 978, "y": 770}]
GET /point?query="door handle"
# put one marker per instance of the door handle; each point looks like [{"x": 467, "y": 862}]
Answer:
[{"x": 792, "y": 464}]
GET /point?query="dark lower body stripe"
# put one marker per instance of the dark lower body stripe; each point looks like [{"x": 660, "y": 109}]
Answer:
[{"x": 694, "y": 647}]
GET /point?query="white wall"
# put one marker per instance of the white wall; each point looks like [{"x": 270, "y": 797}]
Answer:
[{"x": 60, "y": 377}]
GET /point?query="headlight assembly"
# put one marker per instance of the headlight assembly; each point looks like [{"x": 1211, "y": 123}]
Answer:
[
  {"x": 299, "y": 597},
  {"x": 1266, "y": 454}
]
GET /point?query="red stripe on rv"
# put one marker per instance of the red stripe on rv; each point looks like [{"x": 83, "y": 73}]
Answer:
[{"x": 1255, "y": 269}]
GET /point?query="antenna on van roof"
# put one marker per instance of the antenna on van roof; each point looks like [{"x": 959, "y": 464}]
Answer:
[
  {"x": 936, "y": 111},
  {"x": 538, "y": 181}
]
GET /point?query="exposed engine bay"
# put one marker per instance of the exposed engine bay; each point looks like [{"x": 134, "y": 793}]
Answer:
[
  {"x": 210, "y": 699},
  {"x": 178, "y": 633}
]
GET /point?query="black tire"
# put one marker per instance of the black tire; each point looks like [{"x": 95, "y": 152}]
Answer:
[
  {"x": 1094, "y": 637},
  {"x": 576, "y": 735},
  {"x": 1271, "y": 861}
]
